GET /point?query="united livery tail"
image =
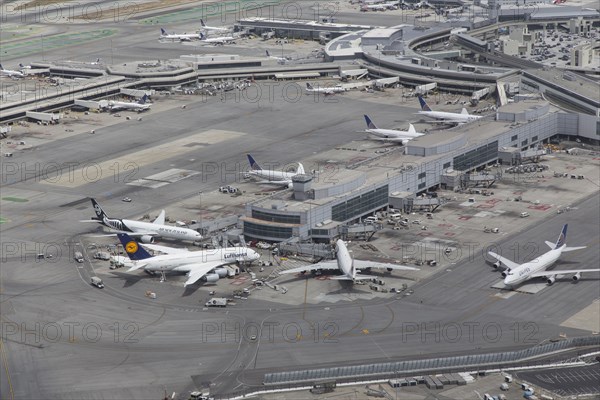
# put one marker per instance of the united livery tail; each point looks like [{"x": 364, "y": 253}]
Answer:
[
  {"x": 202, "y": 23},
  {"x": 268, "y": 55},
  {"x": 133, "y": 248},
  {"x": 202, "y": 36},
  {"x": 253, "y": 164},
  {"x": 562, "y": 241},
  {"x": 163, "y": 32},
  {"x": 424, "y": 105},
  {"x": 370, "y": 123},
  {"x": 308, "y": 85},
  {"x": 143, "y": 99},
  {"x": 562, "y": 238},
  {"x": 100, "y": 214}
]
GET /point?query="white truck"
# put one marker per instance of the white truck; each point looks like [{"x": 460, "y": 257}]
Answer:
[
  {"x": 216, "y": 302},
  {"x": 97, "y": 282},
  {"x": 78, "y": 257}
]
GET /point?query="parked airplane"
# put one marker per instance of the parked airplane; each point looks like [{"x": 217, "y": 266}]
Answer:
[
  {"x": 392, "y": 135},
  {"x": 147, "y": 231},
  {"x": 216, "y": 40},
  {"x": 446, "y": 117},
  {"x": 11, "y": 73},
  {"x": 349, "y": 267},
  {"x": 198, "y": 265},
  {"x": 516, "y": 274},
  {"x": 373, "y": 7},
  {"x": 324, "y": 90},
  {"x": 182, "y": 37},
  {"x": 272, "y": 177},
  {"x": 122, "y": 105},
  {"x": 280, "y": 60},
  {"x": 213, "y": 28}
]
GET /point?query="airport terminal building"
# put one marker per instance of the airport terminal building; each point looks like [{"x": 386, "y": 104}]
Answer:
[{"x": 325, "y": 206}]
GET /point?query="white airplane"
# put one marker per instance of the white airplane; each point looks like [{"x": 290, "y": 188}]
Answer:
[
  {"x": 198, "y": 265},
  {"x": 392, "y": 135},
  {"x": 280, "y": 60},
  {"x": 216, "y": 40},
  {"x": 516, "y": 274},
  {"x": 182, "y": 37},
  {"x": 122, "y": 105},
  {"x": 213, "y": 28},
  {"x": 324, "y": 90},
  {"x": 11, "y": 73},
  {"x": 147, "y": 231},
  {"x": 373, "y": 7},
  {"x": 446, "y": 117},
  {"x": 349, "y": 267},
  {"x": 272, "y": 177}
]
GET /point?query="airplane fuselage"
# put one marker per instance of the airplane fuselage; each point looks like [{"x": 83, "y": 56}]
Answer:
[
  {"x": 181, "y": 262},
  {"x": 165, "y": 231},
  {"x": 448, "y": 116},
  {"x": 524, "y": 271},
  {"x": 392, "y": 133},
  {"x": 344, "y": 260},
  {"x": 120, "y": 105}
]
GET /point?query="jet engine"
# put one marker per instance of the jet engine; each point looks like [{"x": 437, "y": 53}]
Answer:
[
  {"x": 505, "y": 273},
  {"x": 221, "y": 272},
  {"x": 390, "y": 269},
  {"x": 551, "y": 279},
  {"x": 496, "y": 264},
  {"x": 577, "y": 276},
  {"x": 147, "y": 239},
  {"x": 211, "y": 277}
]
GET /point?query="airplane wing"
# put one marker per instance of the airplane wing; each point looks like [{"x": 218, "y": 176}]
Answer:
[
  {"x": 563, "y": 272},
  {"x": 329, "y": 265},
  {"x": 165, "y": 249},
  {"x": 363, "y": 264},
  {"x": 509, "y": 264},
  {"x": 197, "y": 271}
]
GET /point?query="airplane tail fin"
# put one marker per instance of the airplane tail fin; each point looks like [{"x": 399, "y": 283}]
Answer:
[
  {"x": 160, "y": 220},
  {"x": 411, "y": 128},
  {"x": 268, "y": 55},
  {"x": 562, "y": 238},
  {"x": 163, "y": 32},
  {"x": 424, "y": 105},
  {"x": 300, "y": 169},
  {"x": 1, "y": 66},
  {"x": 464, "y": 111},
  {"x": 370, "y": 123},
  {"x": 562, "y": 241},
  {"x": 202, "y": 22},
  {"x": 253, "y": 164},
  {"x": 100, "y": 214},
  {"x": 308, "y": 85},
  {"x": 143, "y": 99},
  {"x": 133, "y": 248}
]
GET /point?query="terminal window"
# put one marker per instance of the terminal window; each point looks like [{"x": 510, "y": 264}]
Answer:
[
  {"x": 524, "y": 142},
  {"x": 278, "y": 232},
  {"x": 514, "y": 138},
  {"x": 534, "y": 139},
  {"x": 360, "y": 205},
  {"x": 421, "y": 185},
  {"x": 476, "y": 157},
  {"x": 446, "y": 165},
  {"x": 422, "y": 175},
  {"x": 282, "y": 218}
]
